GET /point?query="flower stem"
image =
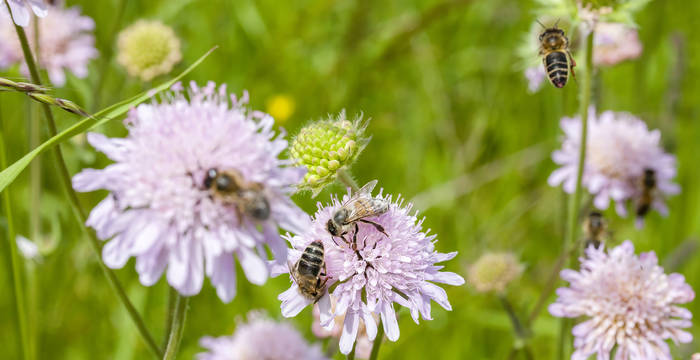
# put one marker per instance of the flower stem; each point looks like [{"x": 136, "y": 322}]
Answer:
[
  {"x": 377, "y": 342},
  {"x": 172, "y": 296},
  {"x": 351, "y": 355},
  {"x": 517, "y": 325},
  {"x": 347, "y": 180},
  {"x": 72, "y": 196},
  {"x": 17, "y": 278},
  {"x": 177, "y": 328}
]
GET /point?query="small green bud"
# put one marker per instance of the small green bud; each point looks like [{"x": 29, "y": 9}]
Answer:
[
  {"x": 325, "y": 146},
  {"x": 492, "y": 272}
]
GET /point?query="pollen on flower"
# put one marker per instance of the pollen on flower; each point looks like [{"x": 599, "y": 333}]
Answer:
[
  {"x": 492, "y": 272},
  {"x": 148, "y": 49},
  {"x": 325, "y": 146},
  {"x": 159, "y": 209}
]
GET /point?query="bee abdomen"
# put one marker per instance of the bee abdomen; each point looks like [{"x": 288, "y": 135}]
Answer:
[
  {"x": 311, "y": 260},
  {"x": 557, "y": 67}
]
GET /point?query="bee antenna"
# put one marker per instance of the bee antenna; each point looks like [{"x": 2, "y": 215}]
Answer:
[
  {"x": 541, "y": 24},
  {"x": 556, "y": 23}
]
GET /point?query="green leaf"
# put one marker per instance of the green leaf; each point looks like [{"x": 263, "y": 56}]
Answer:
[{"x": 8, "y": 175}]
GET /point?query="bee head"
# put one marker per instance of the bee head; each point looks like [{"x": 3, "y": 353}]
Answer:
[
  {"x": 596, "y": 219},
  {"x": 259, "y": 209},
  {"x": 211, "y": 175},
  {"x": 332, "y": 228}
]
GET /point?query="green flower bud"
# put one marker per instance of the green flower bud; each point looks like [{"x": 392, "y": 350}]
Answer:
[
  {"x": 326, "y": 146},
  {"x": 148, "y": 49},
  {"x": 492, "y": 272}
]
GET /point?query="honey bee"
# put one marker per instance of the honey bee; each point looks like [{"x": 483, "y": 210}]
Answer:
[
  {"x": 554, "y": 49},
  {"x": 308, "y": 271},
  {"x": 594, "y": 230},
  {"x": 360, "y": 206},
  {"x": 648, "y": 185},
  {"x": 247, "y": 197}
]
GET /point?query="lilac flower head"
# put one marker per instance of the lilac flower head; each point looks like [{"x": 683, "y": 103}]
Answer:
[
  {"x": 20, "y": 10},
  {"x": 400, "y": 267},
  {"x": 615, "y": 43},
  {"x": 620, "y": 148},
  {"x": 66, "y": 43},
  {"x": 363, "y": 345},
  {"x": 260, "y": 339},
  {"x": 159, "y": 210},
  {"x": 631, "y": 304}
]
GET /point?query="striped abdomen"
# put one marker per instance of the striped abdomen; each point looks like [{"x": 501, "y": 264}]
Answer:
[
  {"x": 311, "y": 260},
  {"x": 557, "y": 67}
]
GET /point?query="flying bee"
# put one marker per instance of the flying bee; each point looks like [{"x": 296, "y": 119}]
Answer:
[
  {"x": 361, "y": 205},
  {"x": 308, "y": 271},
  {"x": 557, "y": 60},
  {"x": 595, "y": 230},
  {"x": 247, "y": 197},
  {"x": 646, "y": 198}
]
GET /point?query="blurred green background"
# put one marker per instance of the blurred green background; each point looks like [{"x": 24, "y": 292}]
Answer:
[{"x": 454, "y": 129}]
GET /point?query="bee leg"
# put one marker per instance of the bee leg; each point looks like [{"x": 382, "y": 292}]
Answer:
[
  {"x": 376, "y": 226},
  {"x": 335, "y": 242},
  {"x": 573, "y": 64},
  {"x": 354, "y": 241}
]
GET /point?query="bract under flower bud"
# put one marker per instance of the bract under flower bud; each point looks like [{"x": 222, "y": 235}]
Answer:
[{"x": 326, "y": 146}]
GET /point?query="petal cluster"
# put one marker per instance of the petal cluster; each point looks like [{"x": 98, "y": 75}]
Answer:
[
  {"x": 614, "y": 43},
  {"x": 619, "y": 149},
  {"x": 629, "y": 303},
  {"x": 66, "y": 43},
  {"x": 158, "y": 209},
  {"x": 21, "y": 12},
  {"x": 259, "y": 339},
  {"x": 398, "y": 268}
]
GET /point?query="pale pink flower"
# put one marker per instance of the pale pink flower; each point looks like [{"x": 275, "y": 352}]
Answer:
[
  {"x": 66, "y": 43},
  {"x": 20, "y": 10},
  {"x": 615, "y": 43},
  {"x": 629, "y": 303},
  {"x": 401, "y": 267},
  {"x": 159, "y": 210},
  {"x": 363, "y": 346},
  {"x": 620, "y": 147},
  {"x": 535, "y": 77},
  {"x": 260, "y": 339}
]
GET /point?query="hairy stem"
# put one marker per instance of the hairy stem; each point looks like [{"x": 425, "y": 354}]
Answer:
[
  {"x": 374, "y": 355},
  {"x": 17, "y": 278},
  {"x": 177, "y": 328},
  {"x": 347, "y": 180},
  {"x": 73, "y": 197},
  {"x": 172, "y": 297}
]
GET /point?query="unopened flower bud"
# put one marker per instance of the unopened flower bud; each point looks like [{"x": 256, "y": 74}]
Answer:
[
  {"x": 492, "y": 272},
  {"x": 148, "y": 49}
]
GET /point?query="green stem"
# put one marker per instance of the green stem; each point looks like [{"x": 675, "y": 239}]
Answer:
[
  {"x": 172, "y": 296},
  {"x": 73, "y": 197},
  {"x": 351, "y": 355},
  {"x": 347, "y": 180},
  {"x": 15, "y": 260},
  {"x": 374, "y": 355},
  {"x": 517, "y": 325},
  {"x": 177, "y": 328}
]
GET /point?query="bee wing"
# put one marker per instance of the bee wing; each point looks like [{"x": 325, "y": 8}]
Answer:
[
  {"x": 367, "y": 188},
  {"x": 365, "y": 207}
]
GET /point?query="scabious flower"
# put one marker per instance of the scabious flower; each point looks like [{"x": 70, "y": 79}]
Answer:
[
  {"x": 66, "y": 43},
  {"x": 620, "y": 148},
  {"x": 159, "y": 210},
  {"x": 20, "y": 10},
  {"x": 399, "y": 267},
  {"x": 614, "y": 43},
  {"x": 492, "y": 272},
  {"x": 148, "y": 49},
  {"x": 363, "y": 346},
  {"x": 260, "y": 339},
  {"x": 630, "y": 303},
  {"x": 326, "y": 146}
]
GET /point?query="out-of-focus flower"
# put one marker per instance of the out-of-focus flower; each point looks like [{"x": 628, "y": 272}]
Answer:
[
  {"x": 159, "y": 209},
  {"x": 620, "y": 149},
  {"x": 20, "y": 10},
  {"x": 695, "y": 356},
  {"x": 399, "y": 267},
  {"x": 614, "y": 43},
  {"x": 260, "y": 339},
  {"x": 363, "y": 346},
  {"x": 66, "y": 43},
  {"x": 281, "y": 107},
  {"x": 631, "y": 305},
  {"x": 28, "y": 248},
  {"x": 535, "y": 77},
  {"x": 148, "y": 49},
  {"x": 326, "y": 146},
  {"x": 492, "y": 272}
]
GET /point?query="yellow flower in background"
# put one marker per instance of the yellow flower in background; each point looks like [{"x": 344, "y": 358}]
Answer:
[
  {"x": 148, "y": 49},
  {"x": 281, "y": 107}
]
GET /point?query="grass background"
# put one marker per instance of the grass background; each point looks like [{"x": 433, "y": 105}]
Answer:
[{"x": 453, "y": 128}]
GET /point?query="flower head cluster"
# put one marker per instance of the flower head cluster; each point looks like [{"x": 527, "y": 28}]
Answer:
[
  {"x": 20, "y": 10},
  {"x": 620, "y": 148},
  {"x": 494, "y": 271},
  {"x": 66, "y": 42},
  {"x": 614, "y": 43},
  {"x": 160, "y": 210},
  {"x": 629, "y": 302},
  {"x": 148, "y": 49},
  {"x": 325, "y": 146},
  {"x": 260, "y": 339},
  {"x": 369, "y": 271}
]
